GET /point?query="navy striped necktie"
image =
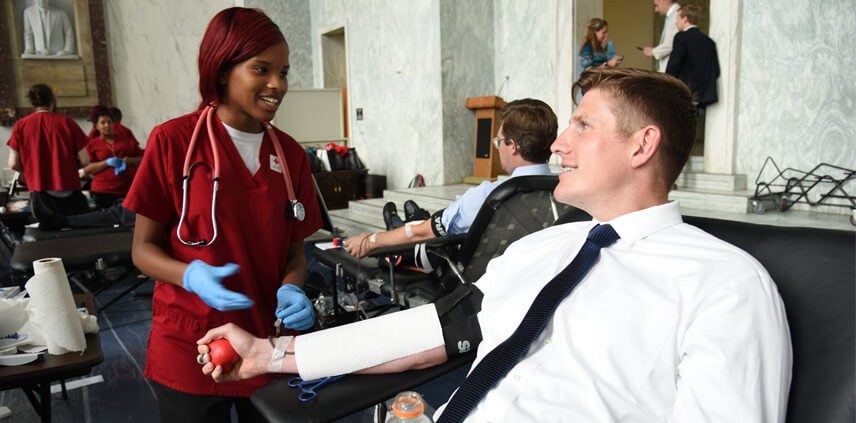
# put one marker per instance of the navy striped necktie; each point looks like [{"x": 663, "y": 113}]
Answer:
[{"x": 505, "y": 356}]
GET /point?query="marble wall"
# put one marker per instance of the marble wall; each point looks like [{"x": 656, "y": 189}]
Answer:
[
  {"x": 796, "y": 89},
  {"x": 467, "y": 51},
  {"x": 524, "y": 59},
  {"x": 293, "y": 18},
  {"x": 394, "y": 75},
  {"x": 153, "y": 48}
]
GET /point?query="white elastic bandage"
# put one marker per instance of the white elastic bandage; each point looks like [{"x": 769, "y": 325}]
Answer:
[
  {"x": 408, "y": 228},
  {"x": 420, "y": 256},
  {"x": 367, "y": 343},
  {"x": 275, "y": 365}
]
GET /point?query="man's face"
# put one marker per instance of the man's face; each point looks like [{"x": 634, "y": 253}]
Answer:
[
  {"x": 662, "y": 6},
  {"x": 504, "y": 151},
  {"x": 593, "y": 153}
]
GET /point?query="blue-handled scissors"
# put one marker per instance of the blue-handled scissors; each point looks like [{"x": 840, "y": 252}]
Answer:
[{"x": 308, "y": 388}]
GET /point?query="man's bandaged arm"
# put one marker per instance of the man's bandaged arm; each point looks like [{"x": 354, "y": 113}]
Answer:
[{"x": 451, "y": 323}]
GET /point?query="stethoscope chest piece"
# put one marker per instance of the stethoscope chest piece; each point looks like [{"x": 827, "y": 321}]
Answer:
[{"x": 297, "y": 211}]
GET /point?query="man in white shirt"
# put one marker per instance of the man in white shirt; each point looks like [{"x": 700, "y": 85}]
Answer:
[
  {"x": 670, "y": 324},
  {"x": 661, "y": 51},
  {"x": 47, "y": 31}
]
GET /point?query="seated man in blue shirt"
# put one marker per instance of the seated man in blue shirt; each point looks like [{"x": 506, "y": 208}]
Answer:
[{"x": 526, "y": 131}]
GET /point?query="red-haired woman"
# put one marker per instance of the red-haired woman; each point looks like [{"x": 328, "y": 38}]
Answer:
[
  {"x": 232, "y": 253},
  {"x": 114, "y": 158}
]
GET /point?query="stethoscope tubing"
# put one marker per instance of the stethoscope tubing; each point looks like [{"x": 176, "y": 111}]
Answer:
[{"x": 206, "y": 116}]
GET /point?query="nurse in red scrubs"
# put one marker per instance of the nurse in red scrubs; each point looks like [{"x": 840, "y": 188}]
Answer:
[
  {"x": 246, "y": 264},
  {"x": 114, "y": 157},
  {"x": 48, "y": 148}
]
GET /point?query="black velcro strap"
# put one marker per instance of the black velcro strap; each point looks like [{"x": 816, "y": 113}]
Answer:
[
  {"x": 437, "y": 224},
  {"x": 458, "y": 313}
]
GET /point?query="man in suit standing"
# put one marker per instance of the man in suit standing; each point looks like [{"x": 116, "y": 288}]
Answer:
[
  {"x": 47, "y": 31},
  {"x": 693, "y": 59},
  {"x": 661, "y": 52}
]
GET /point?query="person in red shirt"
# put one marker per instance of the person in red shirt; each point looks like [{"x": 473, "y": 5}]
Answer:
[
  {"x": 118, "y": 128},
  {"x": 238, "y": 258},
  {"x": 48, "y": 148},
  {"x": 114, "y": 158}
]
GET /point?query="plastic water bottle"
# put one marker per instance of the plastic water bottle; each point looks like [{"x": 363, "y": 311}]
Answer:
[{"x": 408, "y": 407}]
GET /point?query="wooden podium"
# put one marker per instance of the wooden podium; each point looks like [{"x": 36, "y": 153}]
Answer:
[{"x": 486, "y": 164}]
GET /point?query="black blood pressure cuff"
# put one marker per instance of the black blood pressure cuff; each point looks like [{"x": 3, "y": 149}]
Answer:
[
  {"x": 458, "y": 314},
  {"x": 437, "y": 224}
]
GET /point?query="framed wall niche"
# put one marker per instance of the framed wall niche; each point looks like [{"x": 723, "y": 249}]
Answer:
[{"x": 79, "y": 80}]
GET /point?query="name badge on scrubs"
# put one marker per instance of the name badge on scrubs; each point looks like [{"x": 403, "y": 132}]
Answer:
[{"x": 274, "y": 164}]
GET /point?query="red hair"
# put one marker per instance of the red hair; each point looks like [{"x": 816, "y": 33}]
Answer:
[{"x": 234, "y": 35}]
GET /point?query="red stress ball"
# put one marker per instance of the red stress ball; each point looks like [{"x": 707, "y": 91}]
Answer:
[
  {"x": 222, "y": 353},
  {"x": 337, "y": 242}
]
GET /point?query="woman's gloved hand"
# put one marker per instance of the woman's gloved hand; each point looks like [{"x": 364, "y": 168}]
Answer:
[
  {"x": 117, "y": 164},
  {"x": 294, "y": 308},
  {"x": 206, "y": 281}
]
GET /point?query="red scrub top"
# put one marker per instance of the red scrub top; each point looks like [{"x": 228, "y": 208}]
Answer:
[
  {"x": 47, "y": 144},
  {"x": 106, "y": 181},
  {"x": 253, "y": 232}
]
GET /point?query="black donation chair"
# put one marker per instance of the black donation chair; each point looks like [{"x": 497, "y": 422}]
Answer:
[{"x": 516, "y": 208}]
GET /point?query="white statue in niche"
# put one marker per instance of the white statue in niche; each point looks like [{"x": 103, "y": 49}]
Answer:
[{"x": 47, "y": 31}]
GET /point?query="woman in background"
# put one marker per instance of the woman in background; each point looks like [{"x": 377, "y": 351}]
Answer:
[
  {"x": 114, "y": 158},
  {"x": 597, "y": 50}
]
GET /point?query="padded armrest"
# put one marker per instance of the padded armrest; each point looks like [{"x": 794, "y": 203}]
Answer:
[
  {"x": 353, "y": 393},
  {"x": 38, "y": 234},
  {"x": 442, "y": 241},
  {"x": 78, "y": 252}
]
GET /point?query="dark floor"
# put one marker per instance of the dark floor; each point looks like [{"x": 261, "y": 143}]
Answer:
[{"x": 124, "y": 395}]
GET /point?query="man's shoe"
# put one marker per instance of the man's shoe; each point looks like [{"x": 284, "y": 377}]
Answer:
[
  {"x": 413, "y": 212},
  {"x": 390, "y": 216}
]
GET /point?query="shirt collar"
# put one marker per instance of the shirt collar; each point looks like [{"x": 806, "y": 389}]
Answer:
[
  {"x": 642, "y": 223},
  {"x": 536, "y": 169}
]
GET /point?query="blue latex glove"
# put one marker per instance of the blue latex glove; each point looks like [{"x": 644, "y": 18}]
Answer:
[
  {"x": 117, "y": 164},
  {"x": 294, "y": 308},
  {"x": 121, "y": 168},
  {"x": 205, "y": 281},
  {"x": 114, "y": 162}
]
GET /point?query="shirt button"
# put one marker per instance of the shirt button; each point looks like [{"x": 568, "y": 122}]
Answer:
[
  {"x": 517, "y": 378},
  {"x": 548, "y": 340}
]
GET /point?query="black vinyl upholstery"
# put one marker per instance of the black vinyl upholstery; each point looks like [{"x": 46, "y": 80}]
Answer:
[
  {"x": 520, "y": 206},
  {"x": 815, "y": 272}
]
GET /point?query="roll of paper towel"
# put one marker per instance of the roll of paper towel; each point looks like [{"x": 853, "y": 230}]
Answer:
[{"x": 53, "y": 306}]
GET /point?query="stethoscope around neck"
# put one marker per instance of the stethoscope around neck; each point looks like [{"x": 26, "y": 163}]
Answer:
[{"x": 295, "y": 211}]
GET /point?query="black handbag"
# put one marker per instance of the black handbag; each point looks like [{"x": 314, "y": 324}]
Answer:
[
  {"x": 352, "y": 160},
  {"x": 337, "y": 162}
]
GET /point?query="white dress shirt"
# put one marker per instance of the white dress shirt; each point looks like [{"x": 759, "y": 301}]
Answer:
[
  {"x": 672, "y": 324},
  {"x": 670, "y": 28}
]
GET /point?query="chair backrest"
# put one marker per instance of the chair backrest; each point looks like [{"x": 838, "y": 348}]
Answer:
[
  {"x": 815, "y": 272},
  {"x": 326, "y": 222},
  {"x": 516, "y": 208}
]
